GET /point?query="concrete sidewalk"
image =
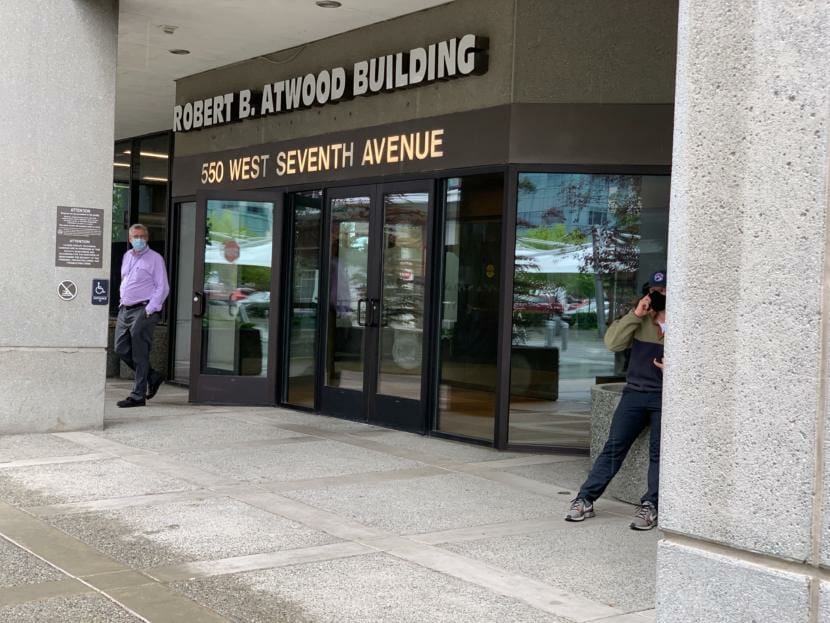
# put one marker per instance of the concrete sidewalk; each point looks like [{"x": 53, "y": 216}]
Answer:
[{"x": 183, "y": 513}]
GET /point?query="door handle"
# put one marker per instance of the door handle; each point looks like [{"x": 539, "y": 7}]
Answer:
[
  {"x": 374, "y": 312},
  {"x": 198, "y": 304},
  {"x": 360, "y": 305}
]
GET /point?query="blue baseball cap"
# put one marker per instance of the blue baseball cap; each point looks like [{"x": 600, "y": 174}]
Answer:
[{"x": 658, "y": 279}]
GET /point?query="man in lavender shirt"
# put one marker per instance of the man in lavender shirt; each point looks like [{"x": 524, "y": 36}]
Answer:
[{"x": 144, "y": 288}]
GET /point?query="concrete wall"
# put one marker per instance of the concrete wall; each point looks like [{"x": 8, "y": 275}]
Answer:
[
  {"x": 57, "y": 79},
  {"x": 744, "y": 488},
  {"x": 541, "y": 51},
  {"x": 595, "y": 51}
]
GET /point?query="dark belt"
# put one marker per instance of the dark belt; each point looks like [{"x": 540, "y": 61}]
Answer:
[{"x": 141, "y": 304}]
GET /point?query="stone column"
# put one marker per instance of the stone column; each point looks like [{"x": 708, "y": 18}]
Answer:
[
  {"x": 744, "y": 485},
  {"x": 57, "y": 102}
]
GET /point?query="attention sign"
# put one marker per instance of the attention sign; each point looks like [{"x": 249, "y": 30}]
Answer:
[{"x": 79, "y": 237}]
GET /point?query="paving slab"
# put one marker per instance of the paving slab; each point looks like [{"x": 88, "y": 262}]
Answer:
[
  {"x": 155, "y": 409},
  {"x": 428, "y": 504},
  {"x": 488, "y": 543},
  {"x": 154, "y": 535},
  {"x": 40, "y": 485},
  {"x": 17, "y": 567},
  {"x": 22, "y": 447},
  {"x": 376, "y": 588},
  {"x": 90, "y": 608},
  {"x": 12, "y": 595},
  {"x": 281, "y": 463},
  {"x": 568, "y": 474},
  {"x": 169, "y": 401},
  {"x": 441, "y": 448},
  {"x": 323, "y": 422},
  {"x": 600, "y": 559},
  {"x": 194, "y": 431}
]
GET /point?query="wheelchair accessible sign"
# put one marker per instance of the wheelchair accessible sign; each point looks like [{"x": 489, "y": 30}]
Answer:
[{"x": 100, "y": 291}]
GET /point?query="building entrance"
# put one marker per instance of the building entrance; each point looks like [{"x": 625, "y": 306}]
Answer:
[
  {"x": 237, "y": 267},
  {"x": 375, "y": 303}
]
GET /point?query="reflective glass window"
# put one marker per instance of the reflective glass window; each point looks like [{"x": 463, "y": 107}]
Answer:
[
  {"x": 237, "y": 287},
  {"x": 304, "y": 296},
  {"x": 585, "y": 245},
  {"x": 470, "y": 305}
]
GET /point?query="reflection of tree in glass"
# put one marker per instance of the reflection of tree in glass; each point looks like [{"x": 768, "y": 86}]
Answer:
[
  {"x": 594, "y": 218},
  {"x": 120, "y": 202},
  {"x": 225, "y": 225},
  {"x": 615, "y": 240},
  {"x": 541, "y": 237}
]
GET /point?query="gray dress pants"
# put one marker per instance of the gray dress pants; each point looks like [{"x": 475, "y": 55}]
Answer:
[{"x": 133, "y": 342}]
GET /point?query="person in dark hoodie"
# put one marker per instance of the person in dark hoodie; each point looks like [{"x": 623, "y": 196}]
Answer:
[{"x": 642, "y": 330}]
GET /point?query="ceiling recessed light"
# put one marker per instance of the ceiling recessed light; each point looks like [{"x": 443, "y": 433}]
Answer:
[
  {"x": 328, "y": 4},
  {"x": 179, "y": 51}
]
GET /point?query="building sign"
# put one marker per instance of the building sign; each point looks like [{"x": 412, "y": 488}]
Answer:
[
  {"x": 79, "y": 237},
  {"x": 419, "y": 145},
  {"x": 445, "y": 60},
  {"x": 325, "y": 157},
  {"x": 376, "y": 150}
]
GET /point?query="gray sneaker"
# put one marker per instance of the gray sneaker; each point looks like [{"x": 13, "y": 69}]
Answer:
[
  {"x": 581, "y": 509},
  {"x": 645, "y": 518}
]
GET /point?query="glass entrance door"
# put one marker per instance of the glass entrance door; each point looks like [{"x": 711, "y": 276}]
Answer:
[
  {"x": 376, "y": 302},
  {"x": 233, "y": 345}
]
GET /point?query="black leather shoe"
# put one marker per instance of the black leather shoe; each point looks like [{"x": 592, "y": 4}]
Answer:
[
  {"x": 153, "y": 385},
  {"x": 129, "y": 401}
]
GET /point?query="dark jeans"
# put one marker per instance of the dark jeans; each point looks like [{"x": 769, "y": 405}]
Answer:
[
  {"x": 635, "y": 411},
  {"x": 133, "y": 341}
]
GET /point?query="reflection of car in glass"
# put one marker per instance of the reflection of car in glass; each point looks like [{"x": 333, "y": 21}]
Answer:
[
  {"x": 242, "y": 292},
  {"x": 537, "y": 304},
  {"x": 579, "y": 306}
]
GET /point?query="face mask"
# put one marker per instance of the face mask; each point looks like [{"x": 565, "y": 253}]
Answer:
[
  {"x": 658, "y": 301},
  {"x": 139, "y": 244}
]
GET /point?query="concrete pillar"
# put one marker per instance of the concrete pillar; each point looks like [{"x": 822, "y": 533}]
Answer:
[
  {"x": 744, "y": 485},
  {"x": 57, "y": 102}
]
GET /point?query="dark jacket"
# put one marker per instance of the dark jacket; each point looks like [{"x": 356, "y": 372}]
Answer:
[{"x": 644, "y": 338}]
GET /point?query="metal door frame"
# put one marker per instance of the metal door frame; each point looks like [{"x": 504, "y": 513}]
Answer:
[
  {"x": 367, "y": 405},
  {"x": 346, "y": 403},
  {"x": 227, "y": 389}
]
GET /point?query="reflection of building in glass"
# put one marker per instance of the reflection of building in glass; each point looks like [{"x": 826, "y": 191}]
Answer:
[{"x": 575, "y": 200}]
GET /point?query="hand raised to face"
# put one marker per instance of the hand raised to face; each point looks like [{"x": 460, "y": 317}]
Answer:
[{"x": 643, "y": 307}]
